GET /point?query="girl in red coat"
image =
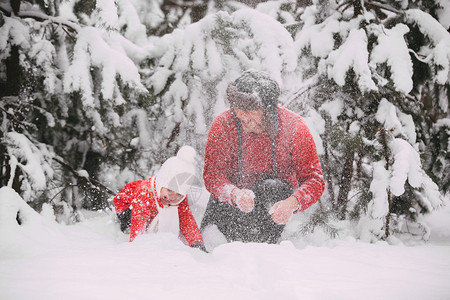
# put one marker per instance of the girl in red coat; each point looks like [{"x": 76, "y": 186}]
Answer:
[
  {"x": 261, "y": 163},
  {"x": 160, "y": 203}
]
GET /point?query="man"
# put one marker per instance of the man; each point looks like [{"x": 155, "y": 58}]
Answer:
[
  {"x": 160, "y": 203},
  {"x": 256, "y": 155}
]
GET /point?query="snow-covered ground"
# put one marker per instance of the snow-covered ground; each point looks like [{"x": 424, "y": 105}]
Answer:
[{"x": 41, "y": 259}]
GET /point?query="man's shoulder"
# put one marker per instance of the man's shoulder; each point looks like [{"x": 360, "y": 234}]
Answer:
[
  {"x": 225, "y": 115},
  {"x": 288, "y": 115},
  {"x": 224, "y": 118}
]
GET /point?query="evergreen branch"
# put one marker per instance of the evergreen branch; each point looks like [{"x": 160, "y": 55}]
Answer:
[
  {"x": 345, "y": 3},
  {"x": 90, "y": 180},
  {"x": 373, "y": 4},
  {"x": 14, "y": 119},
  {"x": 310, "y": 83},
  {"x": 381, "y": 6},
  {"x": 62, "y": 190},
  {"x": 4, "y": 10},
  {"x": 38, "y": 16},
  {"x": 425, "y": 60},
  {"x": 187, "y": 4}
]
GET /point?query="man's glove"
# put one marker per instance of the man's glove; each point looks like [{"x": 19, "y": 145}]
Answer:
[{"x": 199, "y": 245}]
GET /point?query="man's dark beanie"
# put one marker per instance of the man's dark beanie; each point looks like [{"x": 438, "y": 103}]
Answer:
[{"x": 255, "y": 90}]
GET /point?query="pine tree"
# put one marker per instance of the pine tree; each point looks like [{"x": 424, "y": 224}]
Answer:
[
  {"x": 69, "y": 73},
  {"x": 365, "y": 62},
  {"x": 192, "y": 67}
]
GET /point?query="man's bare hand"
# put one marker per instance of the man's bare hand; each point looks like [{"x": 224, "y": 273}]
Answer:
[
  {"x": 244, "y": 199},
  {"x": 282, "y": 211}
]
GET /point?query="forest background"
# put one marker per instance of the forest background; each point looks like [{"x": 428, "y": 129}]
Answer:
[{"x": 95, "y": 94}]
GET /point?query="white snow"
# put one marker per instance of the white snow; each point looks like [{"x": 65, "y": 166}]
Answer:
[
  {"x": 439, "y": 38},
  {"x": 92, "y": 259},
  {"x": 399, "y": 60},
  {"x": 34, "y": 161},
  {"x": 379, "y": 206},
  {"x": 91, "y": 48},
  {"x": 352, "y": 54},
  {"x": 387, "y": 115},
  {"x": 406, "y": 166},
  {"x": 14, "y": 32},
  {"x": 333, "y": 108},
  {"x": 42, "y": 259}
]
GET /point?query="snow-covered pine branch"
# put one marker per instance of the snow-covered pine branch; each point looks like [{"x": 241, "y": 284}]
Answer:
[
  {"x": 34, "y": 161},
  {"x": 401, "y": 167},
  {"x": 91, "y": 50},
  {"x": 196, "y": 63},
  {"x": 440, "y": 42}
]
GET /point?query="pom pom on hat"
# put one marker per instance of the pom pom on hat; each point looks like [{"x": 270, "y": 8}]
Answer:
[
  {"x": 187, "y": 154},
  {"x": 178, "y": 172}
]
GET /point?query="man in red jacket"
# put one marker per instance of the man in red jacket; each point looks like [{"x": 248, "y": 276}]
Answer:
[
  {"x": 261, "y": 163},
  {"x": 160, "y": 203}
]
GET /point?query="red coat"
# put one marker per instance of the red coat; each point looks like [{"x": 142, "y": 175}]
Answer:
[
  {"x": 296, "y": 157},
  {"x": 141, "y": 196}
]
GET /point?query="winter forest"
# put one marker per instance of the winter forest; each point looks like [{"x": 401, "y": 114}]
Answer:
[{"x": 96, "y": 94}]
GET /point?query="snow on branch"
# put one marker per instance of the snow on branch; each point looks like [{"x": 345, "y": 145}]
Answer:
[
  {"x": 129, "y": 19},
  {"x": 44, "y": 53},
  {"x": 399, "y": 60},
  {"x": 33, "y": 159},
  {"x": 195, "y": 64},
  {"x": 274, "y": 42},
  {"x": 244, "y": 39},
  {"x": 352, "y": 54},
  {"x": 91, "y": 50},
  {"x": 105, "y": 14},
  {"x": 39, "y": 16},
  {"x": 14, "y": 32},
  {"x": 395, "y": 121},
  {"x": 319, "y": 37},
  {"x": 440, "y": 39},
  {"x": 379, "y": 207},
  {"x": 407, "y": 166}
]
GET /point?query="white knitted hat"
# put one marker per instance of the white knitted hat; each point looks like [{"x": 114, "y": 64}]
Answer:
[{"x": 178, "y": 172}]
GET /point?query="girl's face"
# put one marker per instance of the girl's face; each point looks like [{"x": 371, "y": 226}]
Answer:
[
  {"x": 251, "y": 121},
  {"x": 169, "y": 197}
]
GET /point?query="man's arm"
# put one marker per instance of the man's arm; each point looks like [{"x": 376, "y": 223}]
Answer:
[
  {"x": 218, "y": 156},
  {"x": 307, "y": 167}
]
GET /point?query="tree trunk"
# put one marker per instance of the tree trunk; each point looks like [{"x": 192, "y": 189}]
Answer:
[
  {"x": 345, "y": 183},
  {"x": 386, "y": 157},
  {"x": 327, "y": 168}
]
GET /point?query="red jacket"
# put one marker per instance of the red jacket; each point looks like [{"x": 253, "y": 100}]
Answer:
[
  {"x": 296, "y": 157},
  {"x": 141, "y": 197}
]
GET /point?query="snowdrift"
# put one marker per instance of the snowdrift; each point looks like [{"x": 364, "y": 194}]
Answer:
[{"x": 42, "y": 259}]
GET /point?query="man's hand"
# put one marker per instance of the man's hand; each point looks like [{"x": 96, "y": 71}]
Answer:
[
  {"x": 281, "y": 211},
  {"x": 244, "y": 199}
]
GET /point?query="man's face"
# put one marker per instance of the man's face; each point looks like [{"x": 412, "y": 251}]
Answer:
[
  {"x": 169, "y": 197},
  {"x": 251, "y": 121}
]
